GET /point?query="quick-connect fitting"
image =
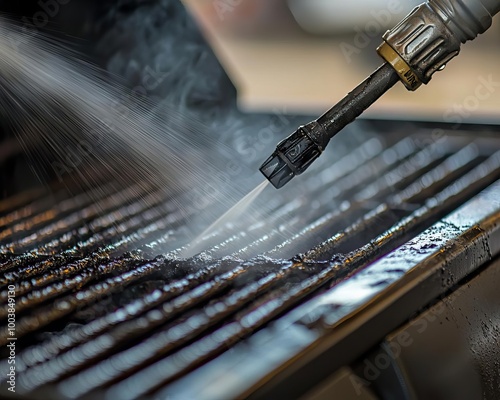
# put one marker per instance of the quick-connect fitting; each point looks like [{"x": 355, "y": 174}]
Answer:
[{"x": 431, "y": 35}]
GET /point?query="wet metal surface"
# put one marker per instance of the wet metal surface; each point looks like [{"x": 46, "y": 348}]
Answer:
[
  {"x": 106, "y": 308},
  {"x": 319, "y": 330}
]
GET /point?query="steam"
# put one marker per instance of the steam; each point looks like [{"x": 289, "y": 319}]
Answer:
[{"x": 72, "y": 119}]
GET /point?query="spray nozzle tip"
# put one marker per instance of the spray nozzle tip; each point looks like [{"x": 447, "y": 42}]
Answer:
[
  {"x": 294, "y": 154},
  {"x": 276, "y": 170}
]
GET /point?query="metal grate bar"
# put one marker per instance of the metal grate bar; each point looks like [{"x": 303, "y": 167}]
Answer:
[
  {"x": 63, "y": 306},
  {"x": 73, "y": 221}
]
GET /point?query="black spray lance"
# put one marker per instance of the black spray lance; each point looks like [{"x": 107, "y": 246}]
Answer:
[{"x": 421, "y": 44}]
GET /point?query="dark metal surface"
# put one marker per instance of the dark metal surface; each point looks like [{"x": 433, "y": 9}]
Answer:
[
  {"x": 451, "y": 350},
  {"x": 106, "y": 309},
  {"x": 385, "y": 294}
]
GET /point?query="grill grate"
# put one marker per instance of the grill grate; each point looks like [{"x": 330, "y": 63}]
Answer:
[{"x": 98, "y": 311}]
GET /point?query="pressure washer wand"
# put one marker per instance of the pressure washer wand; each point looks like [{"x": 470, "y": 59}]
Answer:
[{"x": 421, "y": 44}]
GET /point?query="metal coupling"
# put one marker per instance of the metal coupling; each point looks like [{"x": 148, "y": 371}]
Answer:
[{"x": 430, "y": 36}]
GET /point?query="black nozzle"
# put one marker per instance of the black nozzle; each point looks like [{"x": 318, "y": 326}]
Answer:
[
  {"x": 294, "y": 154},
  {"x": 298, "y": 151},
  {"x": 276, "y": 170}
]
